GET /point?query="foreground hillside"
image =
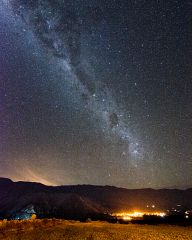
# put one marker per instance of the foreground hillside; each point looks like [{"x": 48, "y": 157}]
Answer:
[{"x": 60, "y": 229}]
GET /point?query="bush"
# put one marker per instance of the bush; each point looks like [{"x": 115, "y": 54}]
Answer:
[
  {"x": 33, "y": 217},
  {"x": 4, "y": 223}
]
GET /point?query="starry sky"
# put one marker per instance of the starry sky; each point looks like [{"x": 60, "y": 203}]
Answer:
[{"x": 96, "y": 92}]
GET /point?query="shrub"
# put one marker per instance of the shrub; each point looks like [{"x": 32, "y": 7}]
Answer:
[{"x": 33, "y": 217}]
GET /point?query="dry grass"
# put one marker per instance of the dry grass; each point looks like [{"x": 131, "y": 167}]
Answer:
[{"x": 70, "y": 230}]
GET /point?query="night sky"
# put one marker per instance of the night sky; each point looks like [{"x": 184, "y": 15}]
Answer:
[{"x": 96, "y": 92}]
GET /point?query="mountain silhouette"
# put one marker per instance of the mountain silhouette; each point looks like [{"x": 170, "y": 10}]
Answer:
[{"x": 83, "y": 201}]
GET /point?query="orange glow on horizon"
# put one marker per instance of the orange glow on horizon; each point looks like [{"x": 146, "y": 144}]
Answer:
[{"x": 136, "y": 214}]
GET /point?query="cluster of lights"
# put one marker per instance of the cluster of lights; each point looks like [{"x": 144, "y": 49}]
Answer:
[
  {"x": 187, "y": 213},
  {"x": 132, "y": 215}
]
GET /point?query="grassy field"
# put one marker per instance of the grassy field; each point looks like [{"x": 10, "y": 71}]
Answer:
[{"x": 71, "y": 230}]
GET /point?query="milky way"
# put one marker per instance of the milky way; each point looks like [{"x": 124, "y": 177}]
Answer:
[
  {"x": 58, "y": 29},
  {"x": 93, "y": 95}
]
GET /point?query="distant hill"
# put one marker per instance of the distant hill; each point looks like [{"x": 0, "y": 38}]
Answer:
[{"x": 83, "y": 201}]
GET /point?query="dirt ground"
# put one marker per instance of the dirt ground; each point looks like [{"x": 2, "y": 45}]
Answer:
[{"x": 71, "y": 230}]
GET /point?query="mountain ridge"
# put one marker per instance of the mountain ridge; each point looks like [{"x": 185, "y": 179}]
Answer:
[{"x": 84, "y": 201}]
